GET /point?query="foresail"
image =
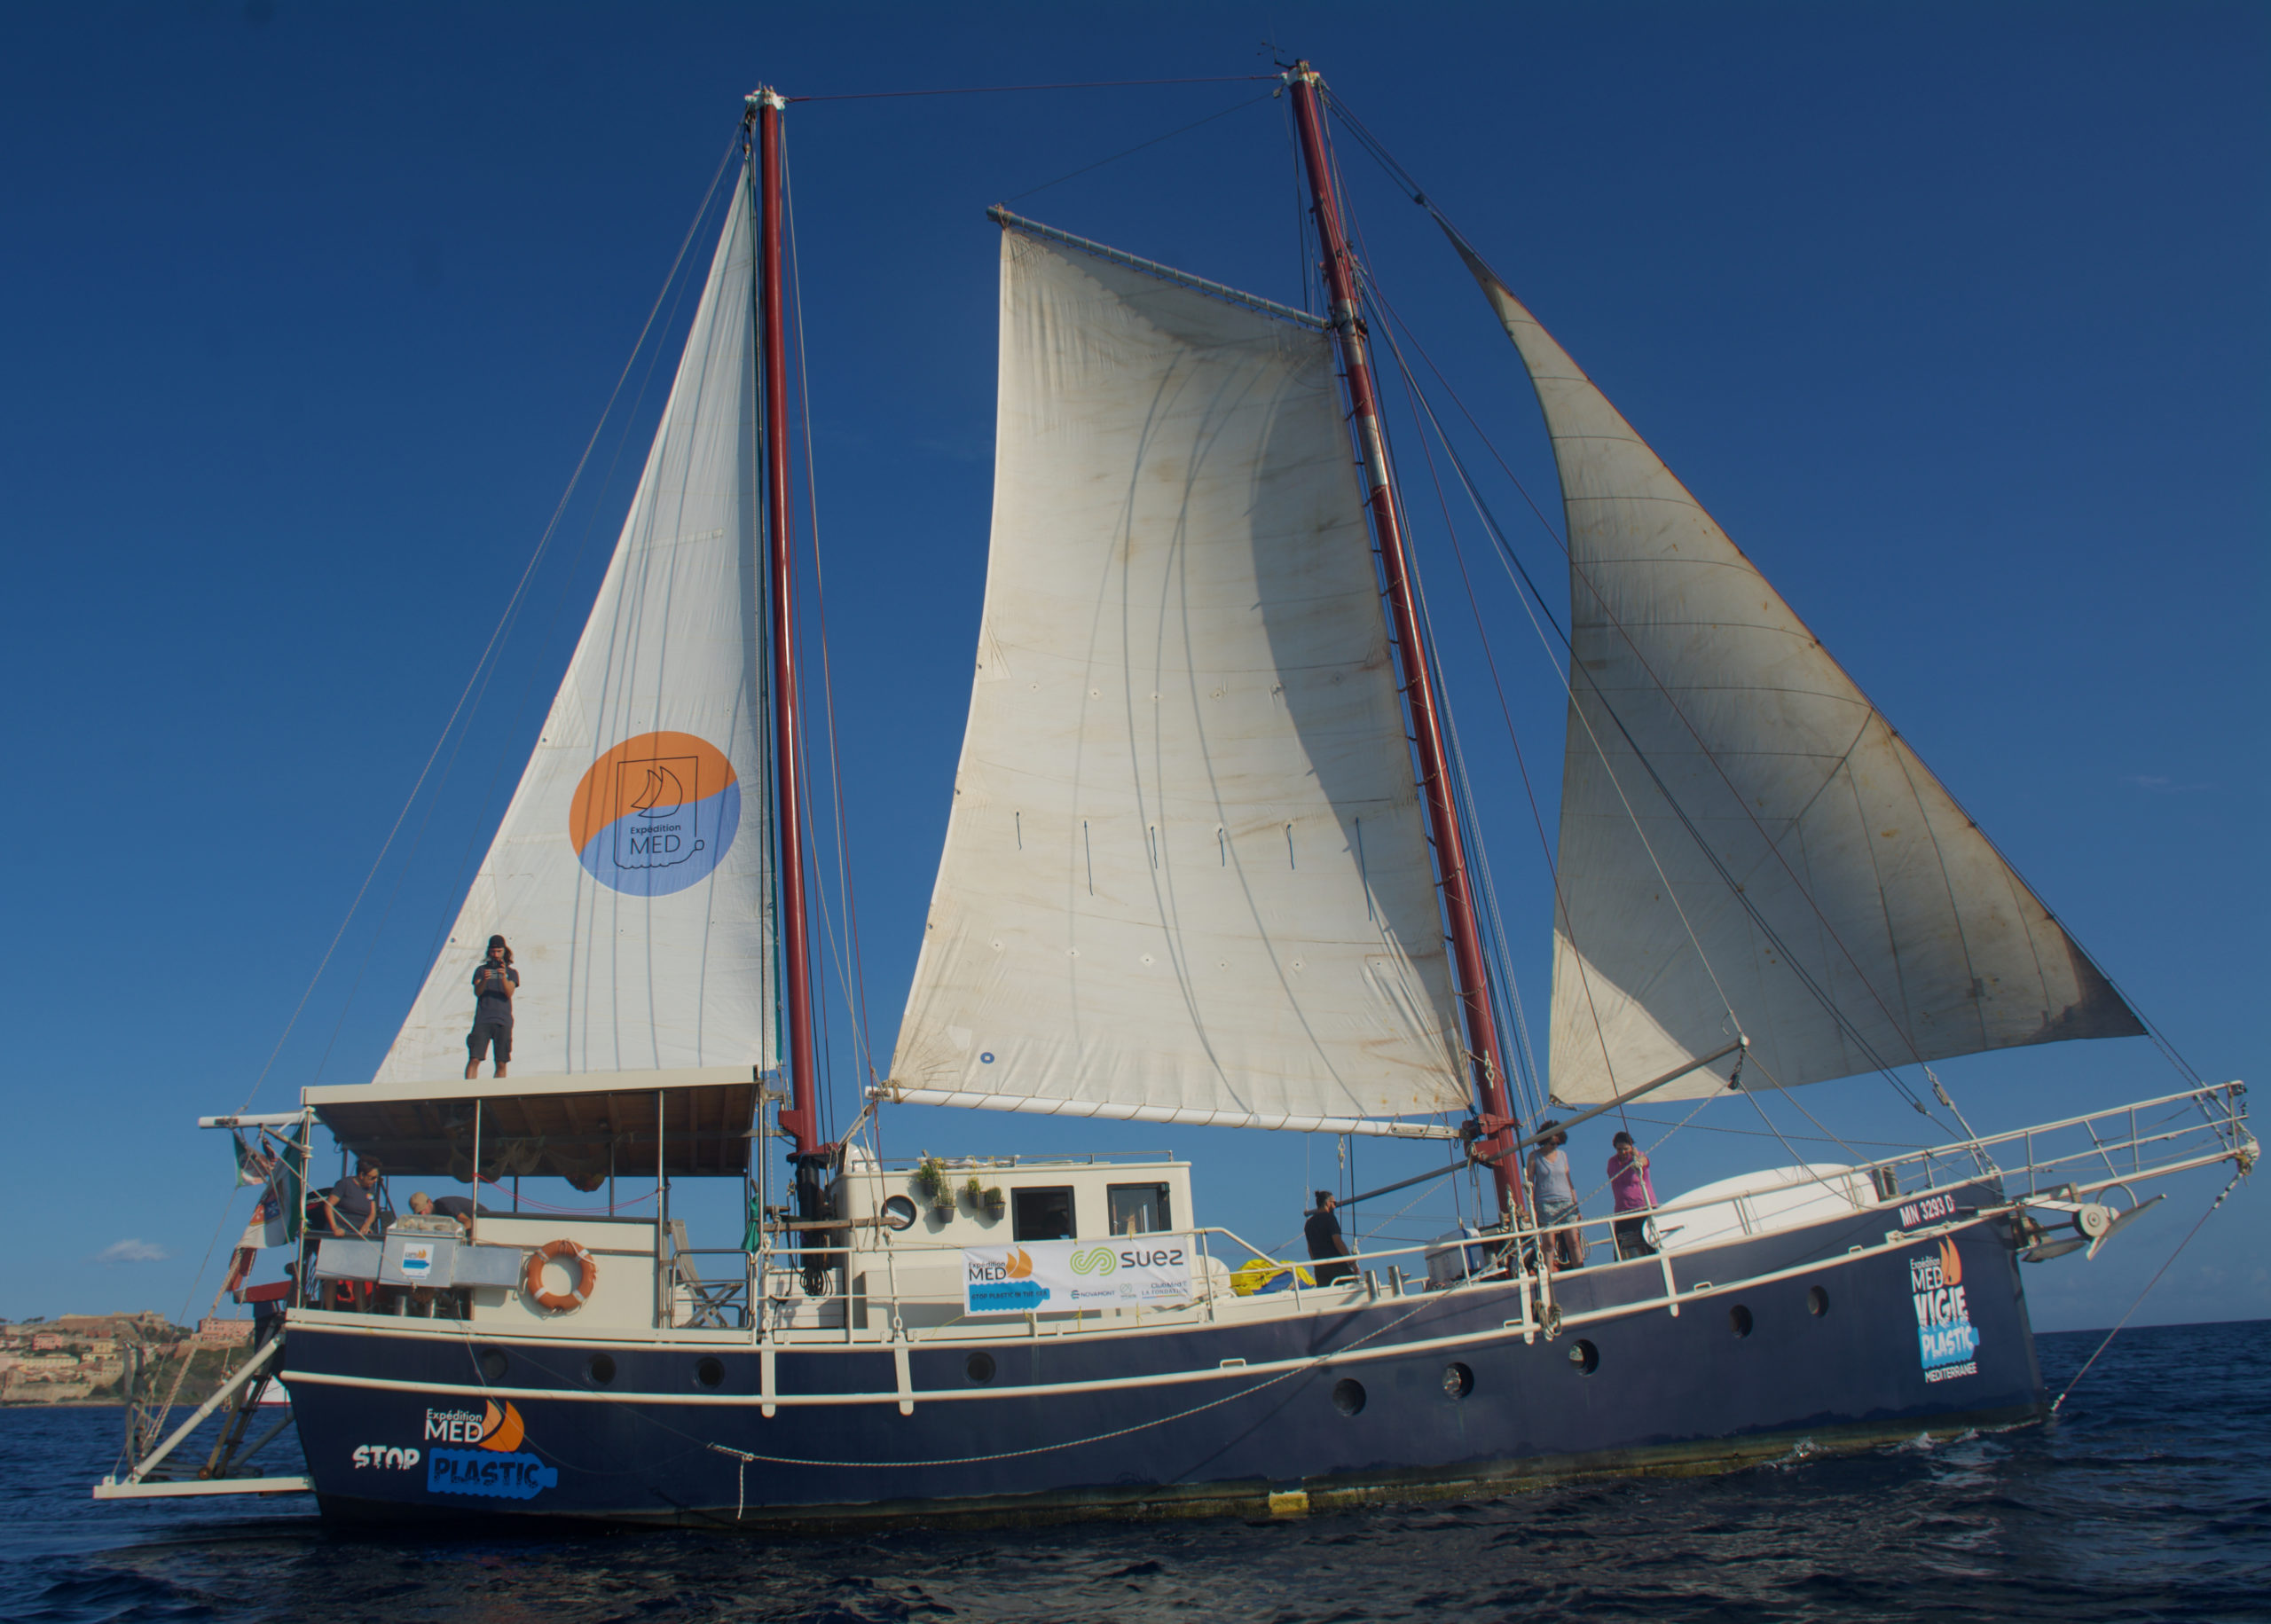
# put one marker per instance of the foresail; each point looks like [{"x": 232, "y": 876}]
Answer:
[
  {"x": 630, "y": 872},
  {"x": 1746, "y": 842},
  {"x": 1185, "y": 874}
]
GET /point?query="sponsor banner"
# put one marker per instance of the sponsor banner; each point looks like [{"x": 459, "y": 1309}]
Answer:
[
  {"x": 1947, "y": 1342},
  {"x": 1056, "y": 1276}
]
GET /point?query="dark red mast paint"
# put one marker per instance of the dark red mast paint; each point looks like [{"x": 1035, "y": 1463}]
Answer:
[
  {"x": 1496, "y": 1114},
  {"x": 801, "y": 1117}
]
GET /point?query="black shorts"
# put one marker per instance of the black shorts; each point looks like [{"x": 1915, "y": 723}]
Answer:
[{"x": 484, "y": 1034}]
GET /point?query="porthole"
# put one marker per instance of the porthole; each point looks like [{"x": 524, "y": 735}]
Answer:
[
  {"x": 1739, "y": 1320},
  {"x": 1458, "y": 1381},
  {"x": 979, "y": 1367},
  {"x": 1584, "y": 1356},
  {"x": 709, "y": 1372},
  {"x": 1816, "y": 1302},
  {"x": 898, "y": 1212},
  {"x": 1348, "y": 1395},
  {"x": 601, "y": 1369},
  {"x": 493, "y": 1365}
]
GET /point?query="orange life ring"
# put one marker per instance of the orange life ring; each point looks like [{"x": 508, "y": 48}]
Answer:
[{"x": 556, "y": 1302}]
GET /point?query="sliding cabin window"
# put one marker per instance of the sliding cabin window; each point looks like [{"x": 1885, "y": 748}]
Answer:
[
  {"x": 1043, "y": 1215},
  {"x": 1138, "y": 1209}
]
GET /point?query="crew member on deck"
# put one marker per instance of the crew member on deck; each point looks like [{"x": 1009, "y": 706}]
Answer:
[
  {"x": 494, "y": 982},
  {"x": 351, "y": 1209},
  {"x": 1321, "y": 1231},
  {"x": 459, "y": 1207},
  {"x": 1634, "y": 1192}
]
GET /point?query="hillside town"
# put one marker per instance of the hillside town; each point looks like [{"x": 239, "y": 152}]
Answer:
[{"x": 79, "y": 1358}]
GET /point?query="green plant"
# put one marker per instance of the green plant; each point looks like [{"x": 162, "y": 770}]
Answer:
[
  {"x": 976, "y": 1194},
  {"x": 931, "y": 1174},
  {"x": 996, "y": 1203}
]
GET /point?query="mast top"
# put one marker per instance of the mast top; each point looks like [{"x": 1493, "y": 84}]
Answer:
[{"x": 766, "y": 96}]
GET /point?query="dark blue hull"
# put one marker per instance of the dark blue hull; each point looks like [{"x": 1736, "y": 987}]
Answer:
[{"x": 1833, "y": 1355}]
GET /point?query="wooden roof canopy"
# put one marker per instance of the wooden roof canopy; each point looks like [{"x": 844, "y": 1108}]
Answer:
[{"x": 691, "y": 1124}]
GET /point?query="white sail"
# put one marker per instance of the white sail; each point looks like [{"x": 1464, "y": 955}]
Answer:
[
  {"x": 1746, "y": 842},
  {"x": 1185, "y": 876},
  {"x": 630, "y": 874}
]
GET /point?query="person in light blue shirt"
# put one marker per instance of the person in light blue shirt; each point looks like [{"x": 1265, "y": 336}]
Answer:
[{"x": 1556, "y": 1196}]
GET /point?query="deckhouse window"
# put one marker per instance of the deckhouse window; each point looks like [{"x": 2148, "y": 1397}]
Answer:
[
  {"x": 1138, "y": 1209},
  {"x": 1043, "y": 1215}
]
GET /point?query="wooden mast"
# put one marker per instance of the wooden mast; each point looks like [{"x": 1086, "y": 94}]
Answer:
[
  {"x": 801, "y": 1118},
  {"x": 1496, "y": 1112}
]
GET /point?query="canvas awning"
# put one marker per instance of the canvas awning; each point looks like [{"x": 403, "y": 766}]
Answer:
[{"x": 693, "y": 1122}]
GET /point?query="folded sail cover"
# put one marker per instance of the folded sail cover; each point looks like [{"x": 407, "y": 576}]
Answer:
[
  {"x": 629, "y": 875},
  {"x": 1741, "y": 830},
  {"x": 1185, "y": 874}
]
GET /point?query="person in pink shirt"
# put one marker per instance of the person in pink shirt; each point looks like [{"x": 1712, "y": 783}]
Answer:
[{"x": 1630, "y": 1186}]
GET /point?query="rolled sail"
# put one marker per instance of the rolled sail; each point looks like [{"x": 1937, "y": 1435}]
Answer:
[
  {"x": 1746, "y": 842},
  {"x": 1186, "y": 875},
  {"x": 630, "y": 874}
]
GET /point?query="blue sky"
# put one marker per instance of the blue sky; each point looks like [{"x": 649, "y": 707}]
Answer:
[{"x": 1954, "y": 316}]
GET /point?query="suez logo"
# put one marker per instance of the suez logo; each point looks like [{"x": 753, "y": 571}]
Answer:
[{"x": 1947, "y": 1342}]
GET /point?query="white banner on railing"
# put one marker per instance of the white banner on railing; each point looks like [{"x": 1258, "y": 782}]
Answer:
[{"x": 1054, "y": 1276}]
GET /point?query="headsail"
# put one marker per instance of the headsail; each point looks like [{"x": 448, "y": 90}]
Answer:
[
  {"x": 1186, "y": 875},
  {"x": 630, "y": 872},
  {"x": 1744, "y": 838}
]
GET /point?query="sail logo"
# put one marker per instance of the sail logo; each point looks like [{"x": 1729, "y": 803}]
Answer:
[
  {"x": 656, "y": 814},
  {"x": 496, "y": 1467},
  {"x": 490, "y": 1427},
  {"x": 1947, "y": 1342}
]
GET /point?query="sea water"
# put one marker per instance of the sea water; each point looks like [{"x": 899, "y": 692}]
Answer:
[{"x": 2148, "y": 1497}]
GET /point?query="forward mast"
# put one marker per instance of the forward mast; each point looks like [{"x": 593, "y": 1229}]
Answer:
[{"x": 1496, "y": 1110}]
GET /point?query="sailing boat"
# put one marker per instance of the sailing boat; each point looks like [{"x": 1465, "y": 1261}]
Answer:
[{"x": 1208, "y": 861}]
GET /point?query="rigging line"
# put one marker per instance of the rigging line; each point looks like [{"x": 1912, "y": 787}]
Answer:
[
  {"x": 1001, "y": 89},
  {"x": 856, "y": 987},
  {"x": 1489, "y": 884},
  {"x": 1140, "y": 146},
  {"x": 1389, "y": 324},
  {"x": 1424, "y": 414},
  {"x": 2222, "y": 1196},
  {"x": 519, "y": 590},
  {"x": 1491, "y": 925}
]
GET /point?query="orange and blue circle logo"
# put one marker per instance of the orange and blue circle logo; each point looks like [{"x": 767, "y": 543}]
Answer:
[{"x": 656, "y": 814}]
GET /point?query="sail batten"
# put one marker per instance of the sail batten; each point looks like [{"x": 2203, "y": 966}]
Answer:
[
  {"x": 630, "y": 872},
  {"x": 1747, "y": 845},
  {"x": 1185, "y": 876}
]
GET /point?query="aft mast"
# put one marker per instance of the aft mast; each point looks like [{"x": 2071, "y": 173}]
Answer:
[
  {"x": 801, "y": 1118},
  {"x": 1497, "y": 1112}
]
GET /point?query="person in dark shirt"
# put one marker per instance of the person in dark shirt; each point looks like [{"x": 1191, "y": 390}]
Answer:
[
  {"x": 1321, "y": 1231},
  {"x": 351, "y": 1208},
  {"x": 494, "y": 982},
  {"x": 459, "y": 1207}
]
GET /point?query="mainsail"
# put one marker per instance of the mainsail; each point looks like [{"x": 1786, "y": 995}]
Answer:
[
  {"x": 1186, "y": 877},
  {"x": 1746, "y": 846},
  {"x": 630, "y": 872}
]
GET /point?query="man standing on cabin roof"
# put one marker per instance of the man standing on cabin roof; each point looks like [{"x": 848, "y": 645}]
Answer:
[
  {"x": 494, "y": 982},
  {"x": 1321, "y": 1231}
]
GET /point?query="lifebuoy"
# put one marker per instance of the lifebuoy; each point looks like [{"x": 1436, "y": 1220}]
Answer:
[{"x": 556, "y": 1302}]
